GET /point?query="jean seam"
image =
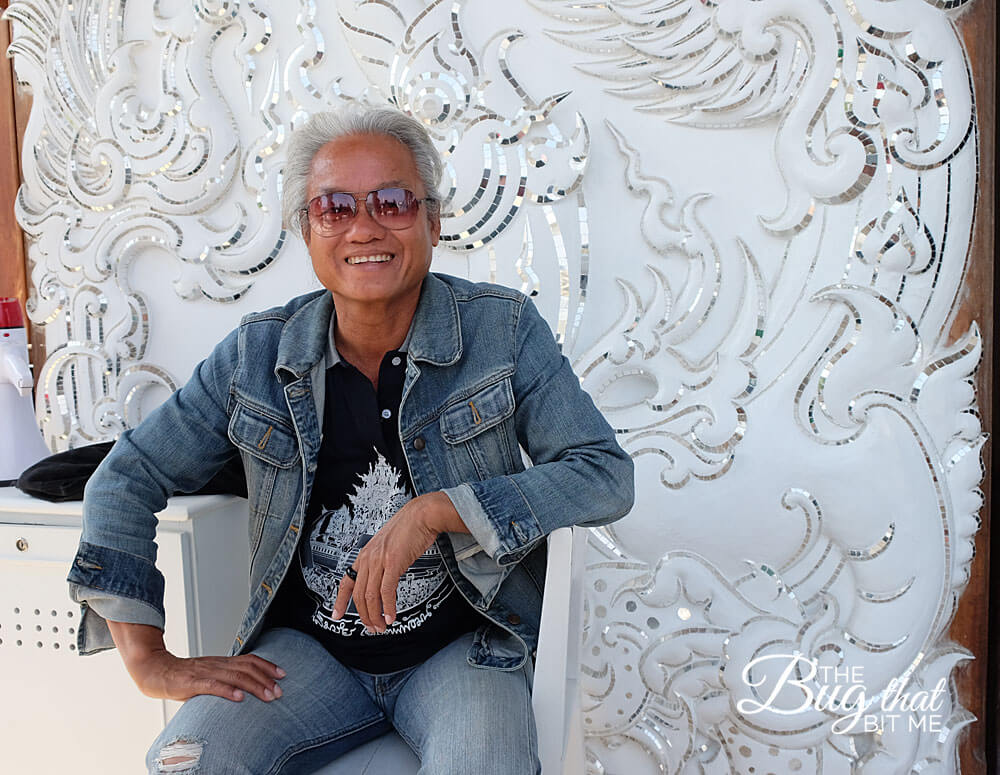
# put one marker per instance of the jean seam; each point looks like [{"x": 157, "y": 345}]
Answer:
[
  {"x": 316, "y": 742},
  {"x": 403, "y": 677},
  {"x": 406, "y": 739},
  {"x": 398, "y": 680},
  {"x": 529, "y": 715},
  {"x": 397, "y": 676}
]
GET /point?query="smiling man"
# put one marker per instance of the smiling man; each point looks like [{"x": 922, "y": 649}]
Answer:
[{"x": 397, "y": 550}]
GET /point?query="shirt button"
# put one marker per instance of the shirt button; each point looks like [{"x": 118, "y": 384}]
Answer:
[
  {"x": 513, "y": 619},
  {"x": 386, "y": 414},
  {"x": 418, "y": 443},
  {"x": 396, "y": 361}
]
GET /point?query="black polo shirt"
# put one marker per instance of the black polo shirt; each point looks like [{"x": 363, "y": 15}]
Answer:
[{"x": 362, "y": 479}]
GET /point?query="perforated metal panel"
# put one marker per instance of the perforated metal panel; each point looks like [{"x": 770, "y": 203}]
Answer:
[{"x": 58, "y": 707}]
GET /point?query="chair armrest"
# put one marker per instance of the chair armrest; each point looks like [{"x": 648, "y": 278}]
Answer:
[{"x": 555, "y": 692}]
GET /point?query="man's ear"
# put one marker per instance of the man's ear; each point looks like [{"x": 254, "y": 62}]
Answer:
[{"x": 435, "y": 224}]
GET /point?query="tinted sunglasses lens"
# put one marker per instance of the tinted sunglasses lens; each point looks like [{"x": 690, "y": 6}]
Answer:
[
  {"x": 330, "y": 212},
  {"x": 393, "y": 207}
]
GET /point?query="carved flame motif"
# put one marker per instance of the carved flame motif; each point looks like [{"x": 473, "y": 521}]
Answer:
[
  {"x": 689, "y": 411},
  {"x": 897, "y": 239}
]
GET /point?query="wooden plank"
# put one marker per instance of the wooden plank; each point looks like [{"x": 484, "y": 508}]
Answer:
[
  {"x": 977, "y": 754},
  {"x": 15, "y": 106},
  {"x": 13, "y": 278}
]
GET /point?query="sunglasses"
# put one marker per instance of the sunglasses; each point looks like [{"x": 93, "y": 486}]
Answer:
[{"x": 332, "y": 214}]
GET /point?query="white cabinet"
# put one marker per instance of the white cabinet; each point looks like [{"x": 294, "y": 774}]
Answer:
[{"x": 63, "y": 713}]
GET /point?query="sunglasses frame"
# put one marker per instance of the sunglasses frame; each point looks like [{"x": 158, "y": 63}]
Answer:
[{"x": 358, "y": 198}]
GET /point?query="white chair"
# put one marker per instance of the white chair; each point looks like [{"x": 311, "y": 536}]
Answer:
[{"x": 555, "y": 693}]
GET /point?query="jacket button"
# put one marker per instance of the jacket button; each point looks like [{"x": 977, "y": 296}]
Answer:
[
  {"x": 513, "y": 619},
  {"x": 418, "y": 443}
]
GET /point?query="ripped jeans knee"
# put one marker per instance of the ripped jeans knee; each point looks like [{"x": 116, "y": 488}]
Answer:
[{"x": 178, "y": 757}]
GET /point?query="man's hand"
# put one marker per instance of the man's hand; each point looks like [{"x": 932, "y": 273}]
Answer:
[
  {"x": 390, "y": 552},
  {"x": 160, "y": 674}
]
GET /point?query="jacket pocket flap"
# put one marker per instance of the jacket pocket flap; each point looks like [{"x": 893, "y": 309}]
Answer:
[
  {"x": 478, "y": 412},
  {"x": 263, "y": 437}
]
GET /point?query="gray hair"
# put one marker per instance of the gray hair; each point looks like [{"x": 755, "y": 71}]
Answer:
[{"x": 322, "y": 128}]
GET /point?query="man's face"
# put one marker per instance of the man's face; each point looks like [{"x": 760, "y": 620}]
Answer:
[{"x": 359, "y": 164}]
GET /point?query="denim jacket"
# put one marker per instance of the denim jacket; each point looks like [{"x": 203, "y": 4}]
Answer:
[{"x": 484, "y": 380}]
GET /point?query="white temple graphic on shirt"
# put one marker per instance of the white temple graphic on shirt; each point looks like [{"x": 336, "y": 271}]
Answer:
[{"x": 339, "y": 534}]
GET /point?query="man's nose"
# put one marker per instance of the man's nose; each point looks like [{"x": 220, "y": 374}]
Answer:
[{"x": 363, "y": 227}]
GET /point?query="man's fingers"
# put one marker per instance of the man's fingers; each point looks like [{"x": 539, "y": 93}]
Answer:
[
  {"x": 170, "y": 677},
  {"x": 373, "y": 600},
  {"x": 358, "y": 593},
  {"x": 224, "y": 677},
  {"x": 257, "y": 679},
  {"x": 269, "y": 668},
  {"x": 248, "y": 679},
  {"x": 219, "y": 688},
  {"x": 388, "y": 592},
  {"x": 344, "y": 590}
]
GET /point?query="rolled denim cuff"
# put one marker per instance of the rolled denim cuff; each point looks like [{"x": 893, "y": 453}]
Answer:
[
  {"x": 122, "y": 584},
  {"x": 117, "y": 573},
  {"x": 482, "y": 533},
  {"x": 499, "y": 516},
  {"x": 97, "y": 608},
  {"x": 473, "y": 558},
  {"x": 482, "y": 571}
]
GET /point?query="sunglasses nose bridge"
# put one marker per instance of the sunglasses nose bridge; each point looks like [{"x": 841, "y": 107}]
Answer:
[
  {"x": 363, "y": 221},
  {"x": 366, "y": 203}
]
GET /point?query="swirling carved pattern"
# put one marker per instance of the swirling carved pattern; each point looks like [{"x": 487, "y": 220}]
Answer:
[{"x": 852, "y": 93}]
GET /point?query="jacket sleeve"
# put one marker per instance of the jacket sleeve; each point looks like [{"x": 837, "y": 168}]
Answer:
[
  {"x": 579, "y": 473},
  {"x": 178, "y": 447}
]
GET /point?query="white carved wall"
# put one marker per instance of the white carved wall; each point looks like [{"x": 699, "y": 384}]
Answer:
[{"x": 748, "y": 223}]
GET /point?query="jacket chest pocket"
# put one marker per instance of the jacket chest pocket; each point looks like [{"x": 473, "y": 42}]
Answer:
[
  {"x": 479, "y": 432},
  {"x": 270, "y": 453},
  {"x": 262, "y": 437}
]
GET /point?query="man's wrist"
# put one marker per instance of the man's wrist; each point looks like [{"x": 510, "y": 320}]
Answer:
[
  {"x": 136, "y": 642},
  {"x": 141, "y": 647},
  {"x": 440, "y": 515}
]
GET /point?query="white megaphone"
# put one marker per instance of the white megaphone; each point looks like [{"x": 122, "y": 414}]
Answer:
[{"x": 21, "y": 443}]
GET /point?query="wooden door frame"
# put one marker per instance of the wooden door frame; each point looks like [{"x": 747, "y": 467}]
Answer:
[
  {"x": 13, "y": 274},
  {"x": 977, "y": 680},
  {"x": 15, "y": 105}
]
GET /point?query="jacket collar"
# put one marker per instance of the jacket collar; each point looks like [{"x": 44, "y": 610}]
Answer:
[
  {"x": 304, "y": 335},
  {"x": 435, "y": 333}
]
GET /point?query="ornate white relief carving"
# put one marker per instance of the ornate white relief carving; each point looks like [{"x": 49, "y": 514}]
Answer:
[
  {"x": 846, "y": 84},
  {"x": 689, "y": 413},
  {"x": 854, "y": 343},
  {"x": 747, "y": 221}
]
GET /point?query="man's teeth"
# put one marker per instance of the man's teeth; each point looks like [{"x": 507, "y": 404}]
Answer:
[{"x": 382, "y": 257}]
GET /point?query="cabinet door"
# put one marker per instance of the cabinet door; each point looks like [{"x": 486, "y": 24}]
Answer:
[{"x": 104, "y": 724}]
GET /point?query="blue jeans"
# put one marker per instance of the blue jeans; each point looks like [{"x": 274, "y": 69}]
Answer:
[{"x": 457, "y": 718}]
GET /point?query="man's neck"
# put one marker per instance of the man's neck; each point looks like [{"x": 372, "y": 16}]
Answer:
[{"x": 364, "y": 333}]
